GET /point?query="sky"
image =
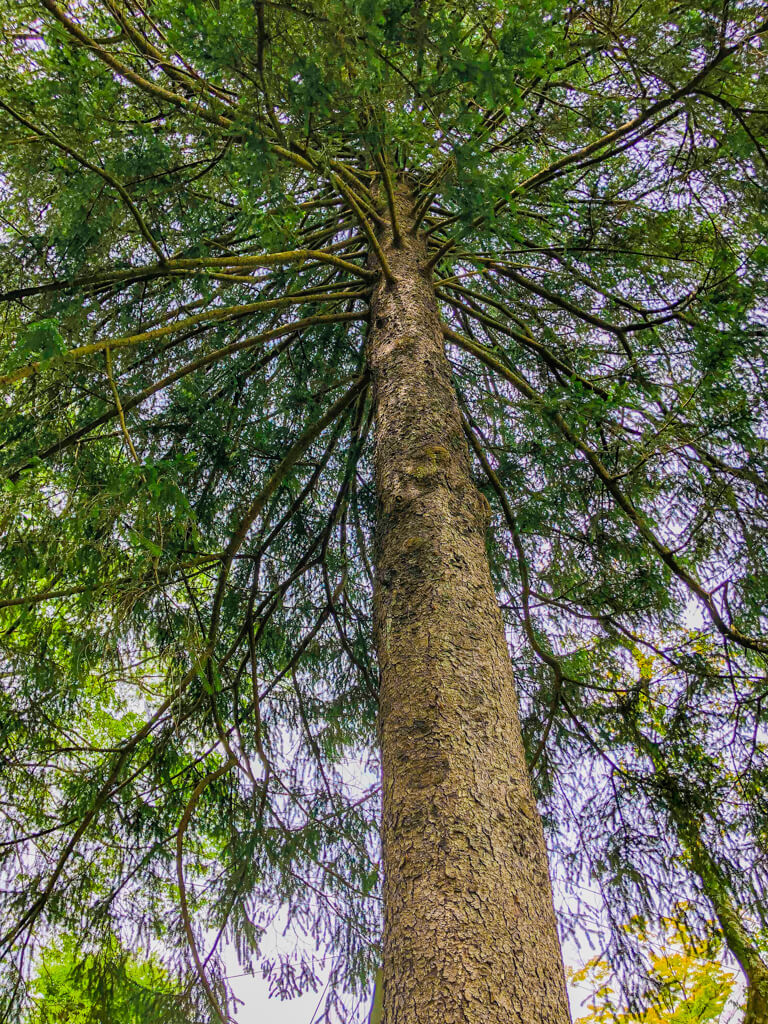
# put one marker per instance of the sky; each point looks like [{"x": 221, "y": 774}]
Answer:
[{"x": 258, "y": 1008}]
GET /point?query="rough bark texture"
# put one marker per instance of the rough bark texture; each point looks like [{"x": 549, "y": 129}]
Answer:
[
  {"x": 469, "y": 926},
  {"x": 757, "y": 1005}
]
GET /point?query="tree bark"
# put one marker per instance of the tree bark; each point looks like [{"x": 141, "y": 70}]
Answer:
[{"x": 469, "y": 924}]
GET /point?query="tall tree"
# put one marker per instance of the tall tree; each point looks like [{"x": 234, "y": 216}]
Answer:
[
  {"x": 679, "y": 740},
  {"x": 299, "y": 298}
]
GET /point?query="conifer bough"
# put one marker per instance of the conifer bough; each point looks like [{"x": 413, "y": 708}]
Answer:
[{"x": 347, "y": 348}]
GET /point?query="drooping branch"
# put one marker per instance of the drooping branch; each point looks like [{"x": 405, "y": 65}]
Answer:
[
  {"x": 89, "y": 165},
  {"x": 157, "y": 91},
  {"x": 290, "y": 330},
  {"x": 291, "y": 458},
  {"x": 636, "y": 517},
  {"x": 114, "y": 343},
  {"x": 186, "y": 817},
  {"x": 541, "y": 653}
]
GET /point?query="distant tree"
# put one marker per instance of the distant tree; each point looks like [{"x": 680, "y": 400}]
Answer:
[
  {"x": 686, "y": 983},
  {"x": 108, "y": 986},
  {"x": 676, "y": 804}
]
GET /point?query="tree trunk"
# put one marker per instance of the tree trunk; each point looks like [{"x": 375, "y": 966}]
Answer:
[
  {"x": 469, "y": 925},
  {"x": 687, "y": 824},
  {"x": 740, "y": 943}
]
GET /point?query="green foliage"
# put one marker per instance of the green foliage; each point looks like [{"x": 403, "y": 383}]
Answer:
[
  {"x": 106, "y": 987},
  {"x": 686, "y": 983},
  {"x": 38, "y": 341},
  {"x": 188, "y": 503}
]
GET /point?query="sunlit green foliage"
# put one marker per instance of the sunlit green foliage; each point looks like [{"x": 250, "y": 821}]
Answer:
[
  {"x": 687, "y": 983},
  {"x": 107, "y": 987}
]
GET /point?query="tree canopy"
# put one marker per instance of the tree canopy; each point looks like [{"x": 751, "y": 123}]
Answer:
[
  {"x": 191, "y": 201},
  {"x": 107, "y": 987}
]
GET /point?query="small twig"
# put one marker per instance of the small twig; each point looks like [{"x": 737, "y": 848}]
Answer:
[
  {"x": 185, "y": 820},
  {"x": 119, "y": 405}
]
